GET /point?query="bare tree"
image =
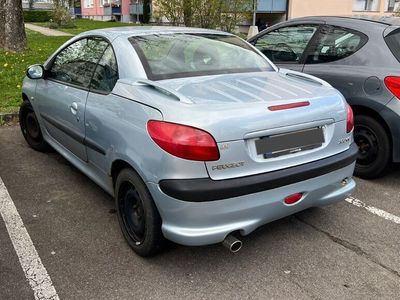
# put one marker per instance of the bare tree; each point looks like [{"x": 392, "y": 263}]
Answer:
[
  {"x": 221, "y": 14},
  {"x": 12, "y": 30},
  {"x": 207, "y": 13},
  {"x": 188, "y": 12},
  {"x": 172, "y": 10},
  {"x": 2, "y": 22},
  {"x": 235, "y": 12}
]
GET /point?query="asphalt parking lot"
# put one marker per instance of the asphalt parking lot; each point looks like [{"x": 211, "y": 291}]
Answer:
[{"x": 341, "y": 251}]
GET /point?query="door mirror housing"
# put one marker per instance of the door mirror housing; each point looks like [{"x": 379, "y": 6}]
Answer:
[{"x": 35, "y": 72}]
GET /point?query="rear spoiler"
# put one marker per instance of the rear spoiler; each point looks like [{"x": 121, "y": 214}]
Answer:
[
  {"x": 165, "y": 90},
  {"x": 304, "y": 77},
  {"x": 159, "y": 88}
]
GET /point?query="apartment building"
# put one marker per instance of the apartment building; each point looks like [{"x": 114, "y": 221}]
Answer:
[
  {"x": 301, "y": 8},
  {"x": 106, "y": 10},
  {"x": 268, "y": 11}
]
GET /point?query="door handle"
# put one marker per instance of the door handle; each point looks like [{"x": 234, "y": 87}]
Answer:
[{"x": 74, "y": 108}]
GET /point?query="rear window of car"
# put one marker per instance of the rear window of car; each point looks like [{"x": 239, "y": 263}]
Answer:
[
  {"x": 166, "y": 56},
  {"x": 393, "y": 42}
]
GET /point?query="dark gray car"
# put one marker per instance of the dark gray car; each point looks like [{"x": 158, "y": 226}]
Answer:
[{"x": 361, "y": 58}]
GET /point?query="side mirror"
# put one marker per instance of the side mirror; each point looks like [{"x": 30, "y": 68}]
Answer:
[{"x": 35, "y": 72}]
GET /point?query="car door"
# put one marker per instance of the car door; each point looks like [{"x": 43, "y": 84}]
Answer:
[
  {"x": 286, "y": 45},
  {"x": 329, "y": 58},
  {"x": 102, "y": 109},
  {"x": 61, "y": 96}
]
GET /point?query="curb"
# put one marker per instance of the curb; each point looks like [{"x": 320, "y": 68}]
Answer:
[{"x": 8, "y": 118}]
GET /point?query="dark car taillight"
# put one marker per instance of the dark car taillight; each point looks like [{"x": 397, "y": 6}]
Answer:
[
  {"x": 393, "y": 84},
  {"x": 183, "y": 141},
  {"x": 349, "y": 119}
]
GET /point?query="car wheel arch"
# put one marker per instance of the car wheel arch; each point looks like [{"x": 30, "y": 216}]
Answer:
[
  {"x": 118, "y": 165},
  {"x": 25, "y": 97},
  {"x": 363, "y": 110}
]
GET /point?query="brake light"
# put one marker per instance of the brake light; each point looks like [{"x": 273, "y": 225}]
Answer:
[
  {"x": 393, "y": 84},
  {"x": 349, "y": 119},
  {"x": 183, "y": 141},
  {"x": 288, "y": 106}
]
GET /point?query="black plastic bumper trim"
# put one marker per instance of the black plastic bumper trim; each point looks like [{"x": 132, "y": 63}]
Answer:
[{"x": 206, "y": 189}]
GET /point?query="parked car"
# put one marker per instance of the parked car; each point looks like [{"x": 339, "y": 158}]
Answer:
[
  {"x": 194, "y": 132},
  {"x": 360, "y": 57}
]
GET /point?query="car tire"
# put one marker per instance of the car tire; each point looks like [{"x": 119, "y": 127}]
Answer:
[
  {"x": 374, "y": 147},
  {"x": 138, "y": 216},
  {"x": 30, "y": 128}
]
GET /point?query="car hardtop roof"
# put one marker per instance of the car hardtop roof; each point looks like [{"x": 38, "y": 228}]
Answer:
[
  {"x": 385, "y": 20},
  {"x": 114, "y": 32}
]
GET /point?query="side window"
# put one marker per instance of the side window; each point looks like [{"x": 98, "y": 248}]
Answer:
[
  {"x": 287, "y": 44},
  {"x": 76, "y": 63},
  {"x": 106, "y": 73},
  {"x": 334, "y": 43}
]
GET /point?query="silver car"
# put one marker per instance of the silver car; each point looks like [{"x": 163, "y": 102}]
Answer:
[{"x": 195, "y": 133}]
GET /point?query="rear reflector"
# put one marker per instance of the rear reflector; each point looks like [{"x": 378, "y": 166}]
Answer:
[
  {"x": 289, "y": 106},
  {"x": 349, "y": 119},
  {"x": 393, "y": 84},
  {"x": 292, "y": 199},
  {"x": 183, "y": 141}
]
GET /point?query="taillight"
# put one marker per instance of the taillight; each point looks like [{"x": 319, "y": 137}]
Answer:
[
  {"x": 393, "y": 84},
  {"x": 183, "y": 141},
  {"x": 349, "y": 119}
]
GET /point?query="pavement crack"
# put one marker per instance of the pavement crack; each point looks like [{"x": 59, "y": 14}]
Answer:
[{"x": 350, "y": 246}]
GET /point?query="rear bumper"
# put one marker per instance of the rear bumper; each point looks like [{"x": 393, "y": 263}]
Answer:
[
  {"x": 206, "y": 189},
  {"x": 209, "y": 222}
]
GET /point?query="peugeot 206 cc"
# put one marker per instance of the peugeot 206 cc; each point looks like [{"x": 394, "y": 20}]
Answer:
[{"x": 196, "y": 134}]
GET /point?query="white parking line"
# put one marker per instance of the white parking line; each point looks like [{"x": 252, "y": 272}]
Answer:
[
  {"x": 29, "y": 259},
  {"x": 376, "y": 211}
]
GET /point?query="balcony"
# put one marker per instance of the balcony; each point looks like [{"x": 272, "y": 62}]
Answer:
[
  {"x": 116, "y": 10},
  {"x": 271, "y": 6},
  {"x": 77, "y": 11},
  {"x": 135, "y": 9},
  {"x": 107, "y": 10}
]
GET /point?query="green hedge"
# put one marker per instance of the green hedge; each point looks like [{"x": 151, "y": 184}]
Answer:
[{"x": 37, "y": 15}]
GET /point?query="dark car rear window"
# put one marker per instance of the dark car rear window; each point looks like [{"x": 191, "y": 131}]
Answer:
[{"x": 393, "y": 42}]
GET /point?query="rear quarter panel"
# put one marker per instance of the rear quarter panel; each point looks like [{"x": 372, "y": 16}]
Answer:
[{"x": 119, "y": 127}]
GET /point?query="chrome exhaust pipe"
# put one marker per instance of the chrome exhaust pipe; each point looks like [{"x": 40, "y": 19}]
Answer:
[{"x": 232, "y": 243}]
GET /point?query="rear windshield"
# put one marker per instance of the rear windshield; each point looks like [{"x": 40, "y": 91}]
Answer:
[
  {"x": 393, "y": 42},
  {"x": 168, "y": 56}
]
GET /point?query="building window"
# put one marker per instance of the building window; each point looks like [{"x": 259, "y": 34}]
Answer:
[
  {"x": 392, "y": 5},
  {"x": 366, "y": 5},
  {"x": 89, "y": 3},
  {"x": 106, "y": 3}
]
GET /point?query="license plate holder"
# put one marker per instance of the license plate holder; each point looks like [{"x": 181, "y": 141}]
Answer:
[{"x": 288, "y": 143}]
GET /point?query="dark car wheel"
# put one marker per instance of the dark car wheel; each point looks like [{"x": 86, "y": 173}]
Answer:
[
  {"x": 30, "y": 128},
  {"x": 374, "y": 147},
  {"x": 137, "y": 214}
]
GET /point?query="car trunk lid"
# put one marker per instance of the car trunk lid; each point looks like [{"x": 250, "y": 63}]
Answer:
[{"x": 257, "y": 122}]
